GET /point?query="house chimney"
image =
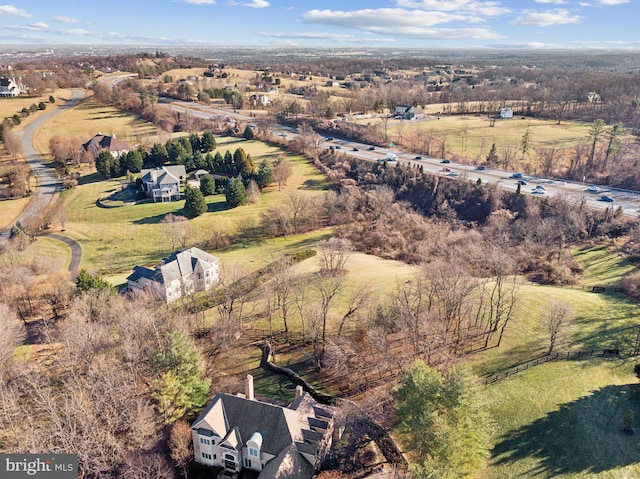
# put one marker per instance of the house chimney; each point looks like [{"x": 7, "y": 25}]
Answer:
[
  {"x": 248, "y": 387},
  {"x": 299, "y": 391}
]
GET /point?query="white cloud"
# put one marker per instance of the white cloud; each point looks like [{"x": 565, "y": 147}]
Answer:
[
  {"x": 257, "y": 4},
  {"x": 547, "y": 18},
  {"x": 612, "y": 2},
  {"x": 559, "y": 2},
  {"x": 338, "y": 37},
  {"x": 200, "y": 2},
  {"x": 383, "y": 17},
  {"x": 63, "y": 19},
  {"x": 397, "y": 22},
  {"x": 482, "y": 8},
  {"x": 584, "y": 4},
  {"x": 16, "y": 12}
]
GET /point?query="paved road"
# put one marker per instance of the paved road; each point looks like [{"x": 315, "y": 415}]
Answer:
[
  {"x": 573, "y": 192},
  {"x": 47, "y": 180},
  {"x": 76, "y": 251}
]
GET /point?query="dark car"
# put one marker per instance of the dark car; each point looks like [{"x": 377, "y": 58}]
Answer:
[
  {"x": 355, "y": 149},
  {"x": 445, "y": 161},
  {"x": 329, "y": 138},
  {"x": 516, "y": 175},
  {"x": 371, "y": 148},
  {"x": 522, "y": 182},
  {"x": 481, "y": 168},
  {"x": 606, "y": 199},
  {"x": 338, "y": 147},
  {"x": 418, "y": 158}
]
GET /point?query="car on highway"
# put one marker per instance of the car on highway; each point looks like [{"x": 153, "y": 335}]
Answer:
[
  {"x": 371, "y": 148},
  {"x": 329, "y": 138},
  {"x": 516, "y": 176},
  {"x": 283, "y": 134},
  {"x": 338, "y": 147},
  {"x": 593, "y": 189},
  {"x": 540, "y": 188},
  {"x": 606, "y": 199},
  {"x": 355, "y": 149},
  {"x": 417, "y": 158},
  {"x": 453, "y": 173},
  {"x": 522, "y": 182},
  {"x": 445, "y": 161},
  {"x": 481, "y": 168},
  {"x": 536, "y": 191}
]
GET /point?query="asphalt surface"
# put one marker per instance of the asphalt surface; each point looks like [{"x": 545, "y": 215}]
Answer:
[
  {"x": 47, "y": 180},
  {"x": 572, "y": 192},
  {"x": 76, "y": 251}
]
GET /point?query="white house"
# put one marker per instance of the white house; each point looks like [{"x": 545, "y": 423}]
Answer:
[
  {"x": 406, "y": 112},
  {"x": 9, "y": 88},
  {"x": 164, "y": 183},
  {"x": 181, "y": 274},
  {"x": 285, "y": 442},
  {"x": 506, "y": 113}
]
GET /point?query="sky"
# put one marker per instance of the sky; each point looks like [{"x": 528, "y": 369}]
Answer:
[{"x": 532, "y": 24}]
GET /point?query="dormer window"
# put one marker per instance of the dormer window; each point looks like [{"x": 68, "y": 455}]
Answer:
[{"x": 253, "y": 452}]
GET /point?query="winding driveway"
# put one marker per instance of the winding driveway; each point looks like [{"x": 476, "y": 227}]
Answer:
[{"x": 47, "y": 179}]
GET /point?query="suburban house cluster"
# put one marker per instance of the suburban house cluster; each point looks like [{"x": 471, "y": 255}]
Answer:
[
  {"x": 181, "y": 274},
  {"x": 242, "y": 433}
]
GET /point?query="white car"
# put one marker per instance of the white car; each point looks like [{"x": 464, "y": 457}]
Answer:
[
  {"x": 593, "y": 189},
  {"x": 540, "y": 188},
  {"x": 453, "y": 173}
]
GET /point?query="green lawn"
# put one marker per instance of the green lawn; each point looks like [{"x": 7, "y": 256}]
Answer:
[
  {"x": 115, "y": 239},
  {"x": 564, "y": 419}
]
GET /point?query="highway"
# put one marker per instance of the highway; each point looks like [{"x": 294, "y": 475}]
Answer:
[{"x": 573, "y": 192}]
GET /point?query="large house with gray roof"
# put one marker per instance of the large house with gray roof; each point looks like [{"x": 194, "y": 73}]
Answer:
[
  {"x": 239, "y": 433},
  {"x": 9, "y": 88},
  {"x": 164, "y": 183},
  {"x": 181, "y": 274}
]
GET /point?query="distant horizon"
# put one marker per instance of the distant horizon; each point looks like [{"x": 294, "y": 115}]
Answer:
[{"x": 429, "y": 24}]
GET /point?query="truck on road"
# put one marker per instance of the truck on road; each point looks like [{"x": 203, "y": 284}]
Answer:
[{"x": 392, "y": 157}]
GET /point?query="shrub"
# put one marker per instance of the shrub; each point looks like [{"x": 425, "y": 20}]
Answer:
[
  {"x": 42, "y": 106},
  {"x": 194, "y": 204},
  {"x": 52, "y": 99},
  {"x": 235, "y": 193}
]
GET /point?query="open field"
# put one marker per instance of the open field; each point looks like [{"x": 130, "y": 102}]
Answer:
[
  {"x": 11, "y": 209},
  {"x": 11, "y": 106},
  {"x": 90, "y": 117},
  {"x": 564, "y": 420},
  {"x": 115, "y": 240},
  {"x": 472, "y": 136}
]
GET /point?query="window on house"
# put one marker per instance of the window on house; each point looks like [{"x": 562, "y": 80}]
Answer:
[
  {"x": 206, "y": 456},
  {"x": 247, "y": 462},
  {"x": 253, "y": 452},
  {"x": 205, "y": 441},
  {"x": 199, "y": 275}
]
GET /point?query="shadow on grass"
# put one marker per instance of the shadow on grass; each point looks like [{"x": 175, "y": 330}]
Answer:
[
  {"x": 150, "y": 220},
  {"x": 583, "y": 436},
  {"x": 90, "y": 178},
  {"x": 215, "y": 207},
  {"x": 316, "y": 184}
]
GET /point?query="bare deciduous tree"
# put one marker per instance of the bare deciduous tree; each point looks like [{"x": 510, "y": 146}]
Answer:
[
  {"x": 281, "y": 172},
  {"x": 558, "y": 314},
  {"x": 179, "y": 442},
  {"x": 176, "y": 230},
  {"x": 334, "y": 253}
]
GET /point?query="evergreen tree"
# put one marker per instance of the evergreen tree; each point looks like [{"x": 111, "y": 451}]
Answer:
[
  {"x": 186, "y": 144},
  {"x": 443, "y": 420},
  {"x": 207, "y": 185},
  {"x": 176, "y": 152},
  {"x": 227, "y": 164},
  {"x": 243, "y": 165},
  {"x": 207, "y": 142},
  {"x": 215, "y": 162},
  {"x": 264, "y": 176},
  {"x": 194, "y": 204},
  {"x": 236, "y": 194},
  {"x": 180, "y": 390},
  {"x": 199, "y": 161},
  {"x": 248, "y": 133},
  {"x": 134, "y": 161},
  {"x": 492, "y": 157},
  {"x": 104, "y": 163},
  {"x": 194, "y": 140},
  {"x": 87, "y": 281},
  {"x": 158, "y": 155}
]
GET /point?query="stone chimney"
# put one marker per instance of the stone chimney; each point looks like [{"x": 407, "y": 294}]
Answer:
[
  {"x": 299, "y": 391},
  {"x": 248, "y": 387}
]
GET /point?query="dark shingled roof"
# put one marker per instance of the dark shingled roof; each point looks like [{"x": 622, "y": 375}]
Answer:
[
  {"x": 105, "y": 142},
  {"x": 289, "y": 464},
  {"x": 142, "y": 272}
]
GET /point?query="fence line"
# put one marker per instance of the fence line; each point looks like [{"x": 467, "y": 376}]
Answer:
[{"x": 610, "y": 353}]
